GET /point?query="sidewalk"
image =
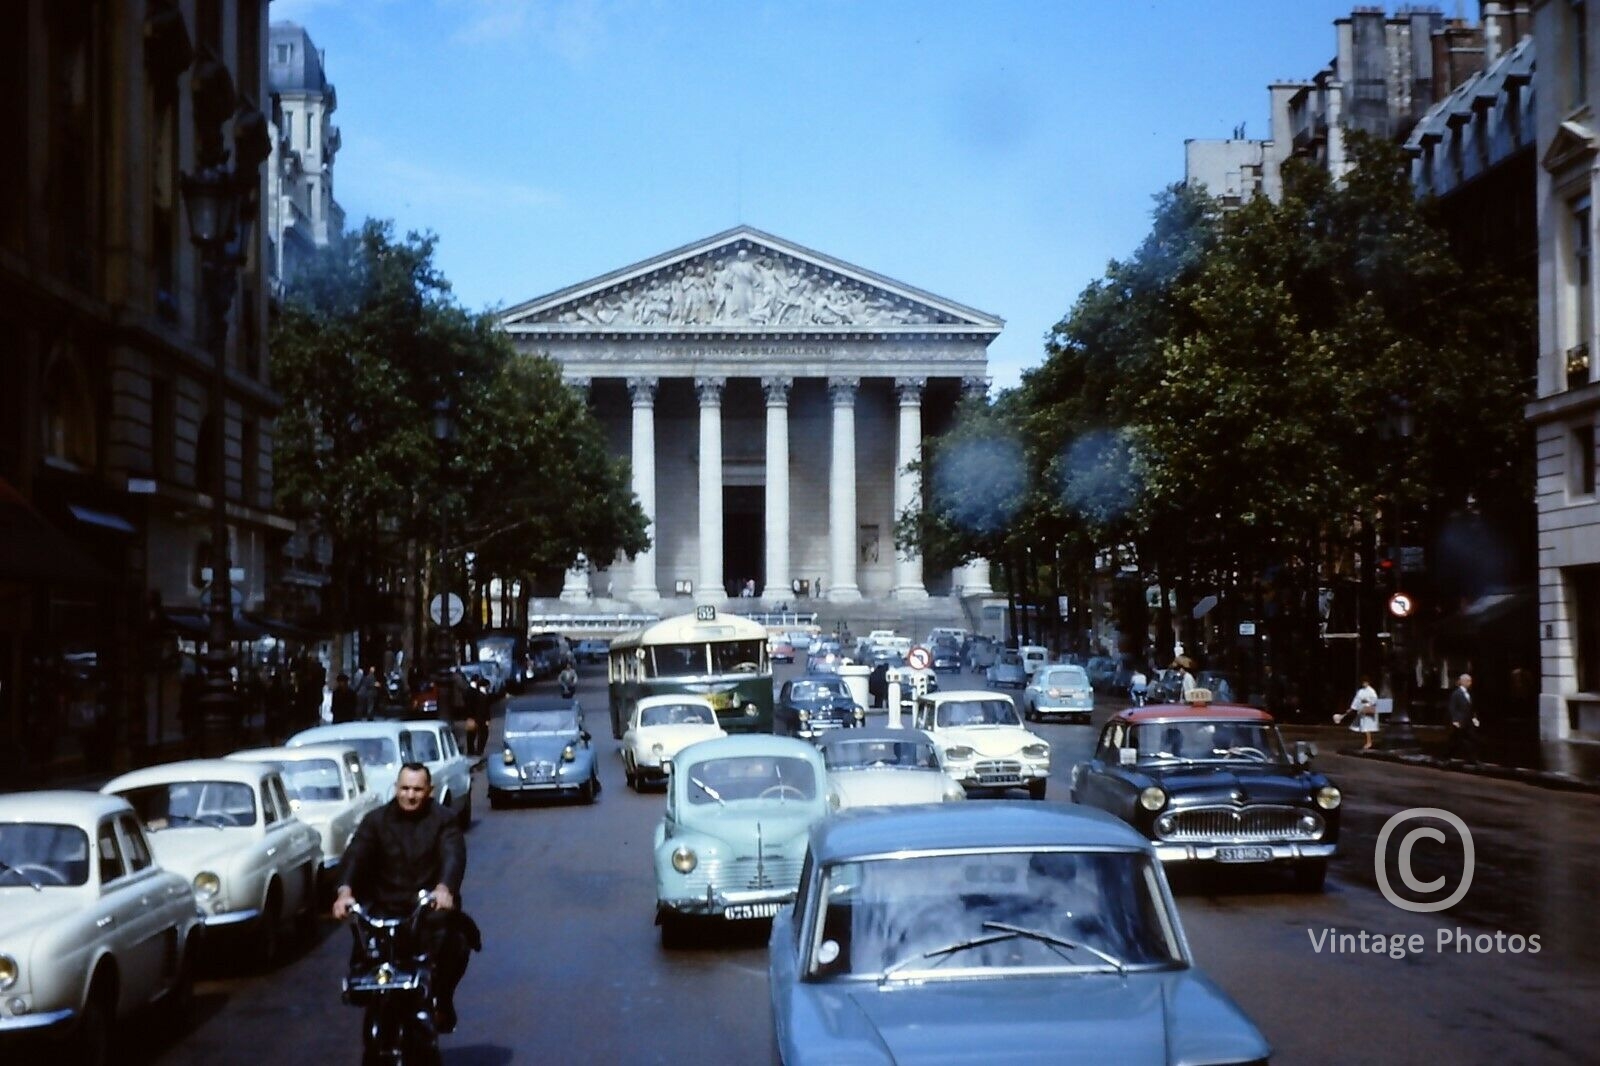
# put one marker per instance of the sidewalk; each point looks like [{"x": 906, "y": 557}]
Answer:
[{"x": 1570, "y": 765}]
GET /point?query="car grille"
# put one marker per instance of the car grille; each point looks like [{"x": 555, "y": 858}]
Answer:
[
  {"x": 539, "y": 770},
  {"x": 999, "y": 772},
  {"x": 1239, "y": 823},
  {"x": 742, "y": 875}
]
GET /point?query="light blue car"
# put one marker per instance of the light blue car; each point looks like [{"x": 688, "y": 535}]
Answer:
[
  {"x": 986, "y": 933},
  {"x": 1058, "y": 692},
  {"x": 544, "y": 750},
  {"x": 739, "y": 810}
]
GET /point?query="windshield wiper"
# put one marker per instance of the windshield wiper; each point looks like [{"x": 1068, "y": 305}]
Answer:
[
  {"x": 1253, "y": 754},
  {"x": 949, "y": 949},
  {"x": 708, "y": 790},
  {"x": 7, "y": 868},
  {"x": 1059, "y": 941}
]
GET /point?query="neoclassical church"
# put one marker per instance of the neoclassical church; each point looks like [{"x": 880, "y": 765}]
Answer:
[{"x": 769, "y": 398}]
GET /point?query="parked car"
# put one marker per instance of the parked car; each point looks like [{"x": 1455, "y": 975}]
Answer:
[
  {"x": 658, "y": 729},
  {"x": 809, "y": 706},
  {"x": 1214, "y": 784},
  {"x": 733, "y": 836},
  {"x": 327, "y": 790},
  {"x": 1058, "y": 692},
  {"x": 1011, "y": 933},
  {"x": 434, "y": 744},
  {"x": 1007, "y": 670},
  {"x": 779, "y": 650},
  {"x": 229, "y": 829},
  {"x": 93, "y": 929},
  {"x": 591, "y": 651},
  {"x": 879, "y": 767},
  {"x": 385, "y": 746},
  {"x": 983, "y": 742},
  {"x": 544, "y": 750}
]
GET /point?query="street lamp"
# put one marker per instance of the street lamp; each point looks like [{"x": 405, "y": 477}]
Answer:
[
  {"x": 444, "y": 432},
  {"x": 1398, "y": 428},
  {"x": 221, "y": 231}
]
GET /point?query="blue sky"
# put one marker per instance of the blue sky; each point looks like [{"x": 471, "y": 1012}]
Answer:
[{"x": 995, "y": 153}]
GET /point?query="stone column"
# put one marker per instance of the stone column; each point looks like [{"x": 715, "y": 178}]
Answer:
[
  {"x": 842, "y": 530},
  {"x": 645, "y": 591},
  {"x": 708, "y": 584},
  {"x": 974, "y": 580},
  {"x": 778, "y": 576},
  {"x": 908, "y": 565}
]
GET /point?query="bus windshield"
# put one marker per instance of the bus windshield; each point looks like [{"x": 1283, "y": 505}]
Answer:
[{"x": 716, "y": 657}]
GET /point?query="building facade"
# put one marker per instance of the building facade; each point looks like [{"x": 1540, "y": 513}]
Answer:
[
  {"x": 770, "y": 399},
  {"x": 108, "y": 426},
  {"x": 1566, "y": 84},
  {"x": 301, "y": 214}
]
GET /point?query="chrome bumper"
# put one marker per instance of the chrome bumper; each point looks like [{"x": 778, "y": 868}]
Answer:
[
  {"x": 1169, "y": 852},
  {"x": 24, "y": 1022},
  {"x": 716, "y": 902},
  {"x": 230, "y": 917}
]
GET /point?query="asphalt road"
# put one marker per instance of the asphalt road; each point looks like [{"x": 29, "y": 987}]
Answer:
[{"x": 572, "y": 969}]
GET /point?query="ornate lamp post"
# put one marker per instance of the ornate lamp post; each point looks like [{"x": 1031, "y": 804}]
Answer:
[
  {"x": 1398, "y": 429},
  {"x": 444, "y": 432}
]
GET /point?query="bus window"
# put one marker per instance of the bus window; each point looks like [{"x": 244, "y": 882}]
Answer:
[
  {"x": 737, "y": 656},
  {"x": 679, "y": 660}
]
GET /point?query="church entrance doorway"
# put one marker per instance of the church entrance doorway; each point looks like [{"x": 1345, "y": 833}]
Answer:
[{"x": 744, "y": 534}]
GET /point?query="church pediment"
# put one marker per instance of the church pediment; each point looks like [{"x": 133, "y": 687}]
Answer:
[
  {"x": 742, "y": 281},
  {"x": 1572, "y": 143}
]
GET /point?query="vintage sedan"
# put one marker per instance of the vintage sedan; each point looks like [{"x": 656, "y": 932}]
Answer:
[
  {"x": 658, "y": 729},
  {"x": 734, "y": 833},
  {"x": 1214, "y": 784},
  {"x": 434, "y": 744},
  {"x": 544, "y": 750},
  {"x": 1058, "y": 692},
  {"x": 809, "y": 706},
  {"x": 991, "y": 934},
  {"x": 385, "y": 745},
  {"x": 92, "y": 928},
  {"x": 1007, "y": 670},
  {"x": 983, "y": 742},
  {"x": 946, "y": 657},
  {"x": 327, "y": 790},
  {"x": 880, "y": 767},
  {"x": 228, "y": 827}
]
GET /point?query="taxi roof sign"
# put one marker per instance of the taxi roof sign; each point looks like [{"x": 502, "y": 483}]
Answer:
[{"x": 1198, "y": 697}]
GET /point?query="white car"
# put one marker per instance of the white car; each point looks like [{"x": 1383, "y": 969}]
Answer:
[
  {"x": 658, "y": 729},
  {"x": 92, "y": 928},
  {"x": 327, "y": 790},
  {"x": 1033, "y": 657},
  {"x": 385, "y": 745},
  {"x": 229, "y": 829},
  {"x": 983, "y": 741},
  {"x": 875, "y": 766},
  {"x": 433, "y": 743}
]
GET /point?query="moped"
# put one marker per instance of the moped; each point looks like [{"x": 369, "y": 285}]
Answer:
[{"x": 392, "y": 978}]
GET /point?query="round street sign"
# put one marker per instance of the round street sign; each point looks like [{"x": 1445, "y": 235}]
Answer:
[
  {"x": 1400, "y": 605},
  {"x": 457, "y": 611},
  {"x": 918, "y": 658}
]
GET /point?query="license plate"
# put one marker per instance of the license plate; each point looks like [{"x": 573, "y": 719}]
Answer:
[
  {"x": 1244, "y": 854},
  {"x": 995, "y": 781},
  {"x": 751, "y": 910}
]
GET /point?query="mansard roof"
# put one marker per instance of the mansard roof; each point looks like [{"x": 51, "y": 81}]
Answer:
[
  {"x": 745, "y": 282},
  {"x": 303, "y": 72}
]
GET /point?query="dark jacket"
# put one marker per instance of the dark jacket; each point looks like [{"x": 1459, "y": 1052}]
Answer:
[
  {"x": 1460, "y": 707},
  {"x": 394, "y": 855}
]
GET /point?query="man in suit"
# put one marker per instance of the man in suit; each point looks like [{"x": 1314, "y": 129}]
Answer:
[{"x": 1463, "y": 722}]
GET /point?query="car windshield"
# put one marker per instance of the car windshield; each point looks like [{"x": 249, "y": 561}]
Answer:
[
  {"x": 677, "y": 714},
  {"x": 750, "y": 777},
  {"x": 374, "y": 752},
  {"x": 817, "y": 690},
  {"x": 1204, "y": 740},
  {"x": 1065, "y": 677},
  {"x": 496, "y": 649},
  {"x": 1009, "y": 657},
  {"x": 869, "y": 754},
  {"x": 425, "y": 746},
  {"x": 560, "y": 720},
  {"x": 977, "y": 712},
  {"x": 1002, "y": 910},
  {"x": 43, "y": 854},
  {"x": 313, "y": 780},
  {"x": 185, "y": 804}
]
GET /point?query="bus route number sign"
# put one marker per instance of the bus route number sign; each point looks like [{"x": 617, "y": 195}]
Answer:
[{"x": 706, "y": 612}]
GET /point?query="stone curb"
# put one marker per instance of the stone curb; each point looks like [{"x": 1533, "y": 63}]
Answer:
[{"x": 1521, "y": 774}]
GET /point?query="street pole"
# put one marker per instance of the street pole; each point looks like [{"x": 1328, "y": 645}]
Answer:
[{"x": 1400, "y": 733}]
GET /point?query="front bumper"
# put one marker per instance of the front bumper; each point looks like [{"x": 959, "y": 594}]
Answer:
[
  {"x": 970, "y": 776},
  {"x": 561, "y": 777},
  {"x": 227, "y": 918},
  {"x": 1188, "y": 851},
  {"x": 1064, "y": 710},
  {"x": 24, "y": 1023},
  {"x": 714, "y": 903}
]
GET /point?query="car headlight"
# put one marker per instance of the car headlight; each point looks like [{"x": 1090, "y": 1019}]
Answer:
[
  {"x": 953, "y": 792},
  {"x": 207, "y": 884},
  {"x": 569, "y": 753},
  {"x": 8, "y": 971},
  {"x": 1165, "y": 824},
  {"x": 860, "y": 712},
  {"x": 1152, "y": 799},
  {"x": 1037, "y": 751},
  {"x": 804, "y": 715},
  {"x": 959, "y": 751},
  {"x": 1328, "y": 797},
  {"x": 751, "y": 710},
  {"x": 684, "y": 860},
  {"x": 657, "y": 749},
  {"x": 508, "y": 757},
  {"x": 1310, "y": 825}
]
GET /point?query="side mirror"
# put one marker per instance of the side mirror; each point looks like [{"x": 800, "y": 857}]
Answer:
[{"x": 1304, "y": 752}]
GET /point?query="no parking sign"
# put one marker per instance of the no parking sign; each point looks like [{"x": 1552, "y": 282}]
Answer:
[{"x": 919, "y": 658}]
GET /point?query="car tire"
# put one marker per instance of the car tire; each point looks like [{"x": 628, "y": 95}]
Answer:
[
  {"x": 1310, "y": 875},
  {"x": 177, "y": 1006},
  {"x": 1036, "y": 787},
  {"x": 674, "y": 931},
  {"x": 496, "y": 800},
  {"x": 590, "y": 789},
  {"x": 269, "y": 931},
  {"x": 629, "y": 773},
  {"x": 466, "y": 812},
  {"x": 91, "y": 1039}
]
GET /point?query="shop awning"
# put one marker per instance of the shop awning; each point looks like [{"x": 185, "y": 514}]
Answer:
[
  {"x": 197, "y": 626},
  {"x": 34, "y": 552},
  {"x": 285, "y": 630}
]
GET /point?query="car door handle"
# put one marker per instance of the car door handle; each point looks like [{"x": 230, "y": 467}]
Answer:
[
  {"x": 108, "y": 920},
  {"x": 272, "y": 851}
]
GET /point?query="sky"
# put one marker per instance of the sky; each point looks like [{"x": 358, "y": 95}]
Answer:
[{"x": 998, "y": 153}]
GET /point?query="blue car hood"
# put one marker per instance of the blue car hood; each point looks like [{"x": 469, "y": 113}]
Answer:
[
  {"x": 1255, "y": 784},
  {"x": 1152, "y": 1019},
  {"x": 540, "y": 745}
]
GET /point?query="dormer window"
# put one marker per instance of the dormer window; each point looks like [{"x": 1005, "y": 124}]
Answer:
[{"x": 282, "y": 53}]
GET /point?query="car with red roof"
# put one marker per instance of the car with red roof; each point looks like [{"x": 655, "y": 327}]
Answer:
[{"x": 1214, "y": 783}]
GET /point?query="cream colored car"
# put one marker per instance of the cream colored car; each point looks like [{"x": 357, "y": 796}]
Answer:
[
  {"x": 92, "y": 928},
  {"x": 327, "y": 790},
  {"x": 658, "y": 729},
  {"x": 983, "y": 741},
  {"x": 229, "y": 828}
]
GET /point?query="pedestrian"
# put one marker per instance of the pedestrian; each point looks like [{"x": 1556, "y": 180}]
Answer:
[
  {"x": 568, "y": 680},
  {"x": 344, "y": 699},
  {"x": 366, "y": 690},
  {"x": 1463, "y": 736},
  {"x": 478, "y": 717},
  {"x": 1182, "y": 665},
  {"x": 1363, "y": 712}
]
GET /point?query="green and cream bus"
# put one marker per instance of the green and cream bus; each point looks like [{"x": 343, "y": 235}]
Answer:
[{"x": 722, "y": 657}]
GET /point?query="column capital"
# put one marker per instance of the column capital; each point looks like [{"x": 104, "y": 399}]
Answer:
[
  {"x": 974, "y": 388},
  {"x": 710, "y": 391},
  {"x": 909, "y": 390},
  {"x": 843, "y": 391},
  {"x": 777, "y": 390},
  {"x": 643, "y": 391}
]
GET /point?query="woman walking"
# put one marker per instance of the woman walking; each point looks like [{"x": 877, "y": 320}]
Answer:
[{"x": 1364, "y": 705}]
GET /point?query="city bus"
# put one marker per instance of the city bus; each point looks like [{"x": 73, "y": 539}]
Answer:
[{"x": 722, "y": 657}]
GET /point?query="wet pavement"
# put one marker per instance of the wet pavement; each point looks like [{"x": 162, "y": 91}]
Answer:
[{"x": 1562, "y": 764}]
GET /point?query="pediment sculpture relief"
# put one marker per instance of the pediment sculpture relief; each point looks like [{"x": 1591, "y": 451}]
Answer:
[{"x": 746, "y": 287}]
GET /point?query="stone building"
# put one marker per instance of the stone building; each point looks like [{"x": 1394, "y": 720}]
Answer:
[
  {"x": 301, "y": 213},
  {"x": 770, "y": 399},
  {"x": 107, "y": 423}
]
